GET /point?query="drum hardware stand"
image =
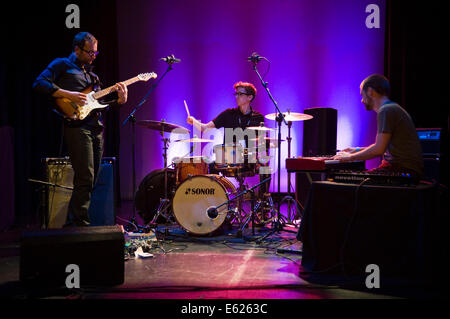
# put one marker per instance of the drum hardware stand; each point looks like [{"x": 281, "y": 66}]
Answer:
[
  {"x": 213, "y": 213},
  {"x": 241, "y": 188},
  {"x": 265, "y": 205},
  {"x": 288, "y": 198},
  {"x": 165, "y": 202},
  {"x": 260, "y": 205},
  {"x": 132, "y": 119},
  {"x": 280, "y": 118}
]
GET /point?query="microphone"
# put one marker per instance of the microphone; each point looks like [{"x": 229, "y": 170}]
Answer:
[
  {"x": 212, "y": 212},
  {"x": 171, "y": 59},
  {"x": 255, "y": 58}
]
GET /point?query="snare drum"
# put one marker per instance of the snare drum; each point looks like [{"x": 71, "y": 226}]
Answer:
[
  {"x": 234, "y": 160},
  {"x": 190, "y": 166},
  {"x": 229, "y": 155},
  {"x": 195, "y": 196}
]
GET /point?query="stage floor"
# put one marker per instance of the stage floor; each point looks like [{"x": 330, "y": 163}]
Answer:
[{"x": 224, "y": 266}]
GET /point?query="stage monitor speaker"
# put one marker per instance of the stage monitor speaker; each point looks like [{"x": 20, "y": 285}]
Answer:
[
  {"x": 102, "y": 208},
  {"x": 98, "y": 252},
  {"x": 319, "y": 133}
]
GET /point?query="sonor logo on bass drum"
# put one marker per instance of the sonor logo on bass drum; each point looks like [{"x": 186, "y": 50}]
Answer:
[{"x": 200, "y": 191}]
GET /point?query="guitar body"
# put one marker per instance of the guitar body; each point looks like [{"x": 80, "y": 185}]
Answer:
[{"x": 73, "y": 111}]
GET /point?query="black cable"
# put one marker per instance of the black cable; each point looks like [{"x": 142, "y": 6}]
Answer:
[
  {"x": 268, "y": 67},
  {"x": 61, "y": 140},
  {"x": 349, "y": 225}
]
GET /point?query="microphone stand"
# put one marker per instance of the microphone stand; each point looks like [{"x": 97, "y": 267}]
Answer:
[
  {"x": 280, "y": 118},
  {"x": 132, "y": 120}
]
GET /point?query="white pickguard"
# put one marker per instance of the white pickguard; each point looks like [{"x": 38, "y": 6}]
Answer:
[{"x": 91, "y": 104}]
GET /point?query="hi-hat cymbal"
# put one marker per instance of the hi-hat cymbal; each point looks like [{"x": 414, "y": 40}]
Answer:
[
  {"x": 260, "y": 128},
  {"x": 290, "y": 117},
  {"x": 196, "y": 140},
  {"x": 163, "y": 126}
]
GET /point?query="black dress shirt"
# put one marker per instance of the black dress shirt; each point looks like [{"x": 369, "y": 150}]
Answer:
[
  {"x": 234, "y": 118},
  {"x": 69, "y": 74}
]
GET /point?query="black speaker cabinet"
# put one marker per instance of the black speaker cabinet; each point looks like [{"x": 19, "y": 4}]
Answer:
[
  {"x": 102, "y": 208},
  {"x": 319, "y": 133},
  {"x": 98, "y": 252},
  {"x": 433, "y": 142}
]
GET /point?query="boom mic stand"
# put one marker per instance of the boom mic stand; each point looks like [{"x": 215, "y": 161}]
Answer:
[
  {"x": 280, "y": 119},
  {"x": 132, "y": 120}
]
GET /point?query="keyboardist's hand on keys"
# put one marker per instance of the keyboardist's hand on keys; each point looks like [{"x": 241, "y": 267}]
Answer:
[
  {"x": 343, "y": 156},
  {"x": 351, "y": 150}
]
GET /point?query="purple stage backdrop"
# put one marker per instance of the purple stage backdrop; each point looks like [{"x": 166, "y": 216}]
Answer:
[{"x": 320, "y": 51}]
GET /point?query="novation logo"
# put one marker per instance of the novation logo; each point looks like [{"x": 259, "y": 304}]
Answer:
[{"x": 199, "y": 191}]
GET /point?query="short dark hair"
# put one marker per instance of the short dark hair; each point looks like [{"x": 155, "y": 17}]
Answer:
[
  {"x": 249, "y": 88},
  {"x": 377, "y": 82},
  {"x": 80, "y": 39}
]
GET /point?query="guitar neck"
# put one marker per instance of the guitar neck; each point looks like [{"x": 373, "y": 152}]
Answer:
[{"x": 108, "y": 90}]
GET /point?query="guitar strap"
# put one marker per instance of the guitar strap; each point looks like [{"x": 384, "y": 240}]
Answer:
[{"x": 96, "y": 85}]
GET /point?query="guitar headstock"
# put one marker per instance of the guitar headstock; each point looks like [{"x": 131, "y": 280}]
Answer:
[{"x": 147, "y": 76}]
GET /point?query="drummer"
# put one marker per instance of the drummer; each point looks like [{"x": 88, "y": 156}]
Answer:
[{"x": 242, "y": 116}]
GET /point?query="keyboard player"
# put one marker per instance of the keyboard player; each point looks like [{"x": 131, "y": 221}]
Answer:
[{"x": 396, "y": 140}]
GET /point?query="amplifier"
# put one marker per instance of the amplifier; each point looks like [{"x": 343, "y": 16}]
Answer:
[
  {"x": 430, "y": 141},
  {"x": 59, "y": 171}
]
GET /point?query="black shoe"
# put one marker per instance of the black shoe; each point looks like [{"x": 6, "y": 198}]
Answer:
[{"x": 83, "y": 223}]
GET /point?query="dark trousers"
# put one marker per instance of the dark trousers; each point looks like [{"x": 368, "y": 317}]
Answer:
[{"x": 85, "y": 146}]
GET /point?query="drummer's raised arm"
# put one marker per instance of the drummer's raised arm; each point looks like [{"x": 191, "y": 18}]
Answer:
[{"x": 199, "y": 125}]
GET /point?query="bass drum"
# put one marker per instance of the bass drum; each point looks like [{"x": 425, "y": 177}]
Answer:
[
  {"x": 150, "y": 191},
  {"x": 195, "y": 196}
]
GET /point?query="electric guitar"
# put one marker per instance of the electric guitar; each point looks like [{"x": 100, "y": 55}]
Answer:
[{"x": 74, "y": 112}]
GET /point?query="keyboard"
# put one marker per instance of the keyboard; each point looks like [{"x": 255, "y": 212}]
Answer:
[
  {"x": 320, "y": 164},
  {"x": 372, "y": 178}
]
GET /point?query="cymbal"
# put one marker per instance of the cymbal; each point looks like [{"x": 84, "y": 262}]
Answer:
[
  {"x": 260, "y": 128},
  {"x": 162, "y": 126},
  {"x": 290, "y": 117},
  {"x": 196, "y": 140},
  {"x": 267, "y": 139}
]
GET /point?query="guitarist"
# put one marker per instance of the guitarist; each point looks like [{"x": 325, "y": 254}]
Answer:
[{"x": 66, "y": 78}]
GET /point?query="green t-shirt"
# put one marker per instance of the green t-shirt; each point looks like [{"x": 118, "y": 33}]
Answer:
[{"x": 404, "y": 148}]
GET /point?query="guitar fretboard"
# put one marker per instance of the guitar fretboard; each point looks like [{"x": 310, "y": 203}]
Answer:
[{"x": 111, "y": 89}]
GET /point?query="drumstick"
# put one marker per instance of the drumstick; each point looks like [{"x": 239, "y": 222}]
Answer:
[{"x": 187, "y": 109}]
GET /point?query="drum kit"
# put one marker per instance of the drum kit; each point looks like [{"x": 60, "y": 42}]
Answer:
[{"x": 198, "y": 195}]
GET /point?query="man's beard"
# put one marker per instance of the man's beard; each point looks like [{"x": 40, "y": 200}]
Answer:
[{"x": 369, "y": 105}]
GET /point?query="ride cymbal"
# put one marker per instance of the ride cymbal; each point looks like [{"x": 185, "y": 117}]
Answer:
[
  {"x": 163, "y": 126},
  {"x": 290, "y": 117}
]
